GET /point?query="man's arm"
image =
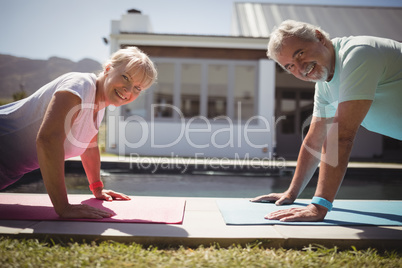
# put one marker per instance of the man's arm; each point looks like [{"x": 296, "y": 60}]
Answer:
[
  {"x": 334, "y": 160},
  {"x": 309, "y": 157}
]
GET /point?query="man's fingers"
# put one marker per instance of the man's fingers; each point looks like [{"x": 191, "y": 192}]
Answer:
[
  {"x": 260, "y": 198},
  {"x": 309, "y": 213},
  {"x": 277, "y": 215},
  {"x": 266, "y": 198},
  {"x": 283, "y": 201}
]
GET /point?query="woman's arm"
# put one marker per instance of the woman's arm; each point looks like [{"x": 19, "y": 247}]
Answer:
[
  {"x": 91, "y": 162},
  {"x": 50, "y": 150}
]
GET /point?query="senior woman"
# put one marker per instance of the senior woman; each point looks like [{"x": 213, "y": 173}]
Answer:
[{"x": 61, "y": 120}]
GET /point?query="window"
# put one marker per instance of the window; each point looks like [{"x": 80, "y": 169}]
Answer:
[
  {"x": 244, "y": 91},
  {"x": 190, "y": 89},
  {"x": 163, "y": 90},
  {"x": 217, "y": 90},
  {"x": 199, "y": 87},
  {"x": 296, "y": 106},
  {"x": 137, "y": 107},
  {"x": 306, "y": 109}
]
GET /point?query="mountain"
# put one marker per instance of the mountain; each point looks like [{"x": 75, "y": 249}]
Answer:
[{"x": 22, "y": 73}]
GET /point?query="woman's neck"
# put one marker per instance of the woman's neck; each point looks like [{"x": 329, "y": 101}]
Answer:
[{"x": 99, "y": 95}]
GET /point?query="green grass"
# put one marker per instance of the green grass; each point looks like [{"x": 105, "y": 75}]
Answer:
[
  {"x": 4, "y": 101},
  {"x": 32, "y": 253}
]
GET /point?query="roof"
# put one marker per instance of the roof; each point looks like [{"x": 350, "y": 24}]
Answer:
[
  {"x": 186, "y": 40},
  {"x": 258, "y": 19}
]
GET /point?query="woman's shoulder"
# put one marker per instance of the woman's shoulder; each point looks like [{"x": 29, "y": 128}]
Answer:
[
  {"x": 77, "y": 77},
  {"x": 81, "y": 84}
]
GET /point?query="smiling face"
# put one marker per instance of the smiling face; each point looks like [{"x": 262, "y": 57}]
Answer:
[
  {"x": 308, "y": 60},
  {"x": 117, "y": 87}
]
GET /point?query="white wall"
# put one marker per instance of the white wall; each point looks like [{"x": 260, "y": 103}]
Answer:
[{"x": 197, "y": 138}]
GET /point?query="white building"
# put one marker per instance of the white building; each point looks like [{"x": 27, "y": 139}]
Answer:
[{"x": 220, "y": 96}]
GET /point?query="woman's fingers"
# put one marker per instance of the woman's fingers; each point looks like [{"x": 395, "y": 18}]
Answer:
[
  {"x": 83, "y": 211},
  {"x": 116, "y": 195},
  {"x": 110, "y": 195}
]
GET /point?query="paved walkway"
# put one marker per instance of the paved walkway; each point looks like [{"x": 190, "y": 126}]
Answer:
[{"x": 204, "y": 225}]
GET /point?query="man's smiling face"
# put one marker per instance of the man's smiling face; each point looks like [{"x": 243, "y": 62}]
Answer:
[{"x": 308, "y": 60}]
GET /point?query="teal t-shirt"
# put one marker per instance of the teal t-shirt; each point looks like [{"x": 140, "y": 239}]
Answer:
[{"x": 366, "y": 68}]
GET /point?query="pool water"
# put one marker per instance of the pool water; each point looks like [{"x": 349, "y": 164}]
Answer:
[{"x": 363, "y": 186}]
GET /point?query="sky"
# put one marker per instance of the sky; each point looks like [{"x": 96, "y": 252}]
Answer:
[{"x": 74, "y": 29}]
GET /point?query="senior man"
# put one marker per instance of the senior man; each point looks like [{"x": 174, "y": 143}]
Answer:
[{"x": 358, "y": 82}]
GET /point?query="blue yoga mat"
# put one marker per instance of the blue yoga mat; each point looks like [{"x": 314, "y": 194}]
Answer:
[{"x": 345, "y": 212}]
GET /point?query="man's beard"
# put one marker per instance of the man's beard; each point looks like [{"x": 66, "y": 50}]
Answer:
[{"x": 321, "y": 75}]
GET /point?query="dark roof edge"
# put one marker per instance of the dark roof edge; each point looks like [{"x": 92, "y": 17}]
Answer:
[
  {"x": 195, "y": 35},
  {"x": 320, "y": 5}
]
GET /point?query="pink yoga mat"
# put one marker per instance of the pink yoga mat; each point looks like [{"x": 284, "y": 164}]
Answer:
[{"x": 137, "y": 210}]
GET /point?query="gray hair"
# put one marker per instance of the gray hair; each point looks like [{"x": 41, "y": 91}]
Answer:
[
  {"x": 137, "y": 63},
  {"x": 291, "y": 28}
]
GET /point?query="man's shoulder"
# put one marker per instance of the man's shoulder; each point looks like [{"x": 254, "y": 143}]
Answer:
[
  {"x": 362, "y": 42},
  {"x": 344, "y": 43},
  {"x": 362, "y": 47}
]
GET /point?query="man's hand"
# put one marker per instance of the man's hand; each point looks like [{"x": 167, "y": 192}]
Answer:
[
  {"x": 310, "y": 213},
  {"x": 278, "y": 198},
  {"x": 109, "y": 195},
  {"x": 82, "y": 211}
]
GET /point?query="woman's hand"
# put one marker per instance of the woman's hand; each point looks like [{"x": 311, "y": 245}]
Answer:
[
  {"x": 109, "y": 195},
  {"x": 278, "y": 198},
  {"x": 82, "y": 211}
]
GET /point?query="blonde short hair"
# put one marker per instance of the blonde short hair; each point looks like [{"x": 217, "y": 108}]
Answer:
[
  {"x": 138, "y": 64},
  {"x": 291, "y": 28}
]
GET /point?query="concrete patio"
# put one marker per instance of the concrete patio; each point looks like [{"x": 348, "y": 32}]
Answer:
[{"x": 204, "y": 225}]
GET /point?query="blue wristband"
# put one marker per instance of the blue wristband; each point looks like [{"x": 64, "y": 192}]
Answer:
[{"x": 322, "y": 202}]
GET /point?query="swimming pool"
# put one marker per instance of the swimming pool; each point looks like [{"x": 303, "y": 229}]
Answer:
[{"x": 356, "y": 185}]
